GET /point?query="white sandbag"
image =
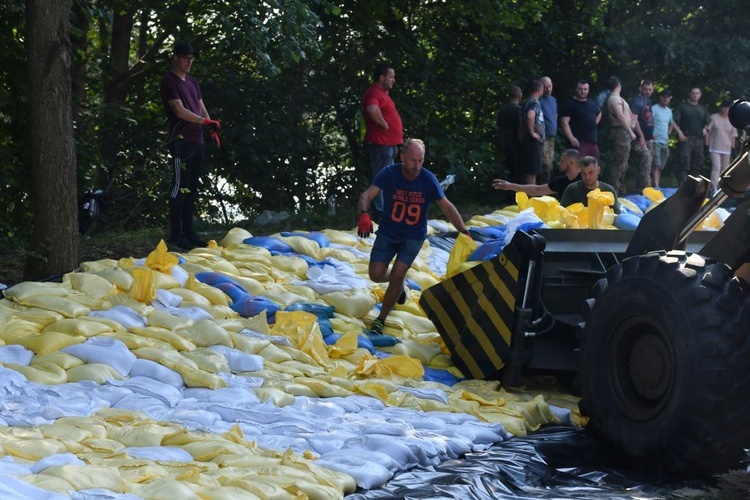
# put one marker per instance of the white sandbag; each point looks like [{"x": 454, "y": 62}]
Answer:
[
  {"x": 17, "y": 354},
  {"x": 167, "y": 298},
  {"x": 159, "y": 453},
  {"x": 104, "y": 350},
  {"x": 153, "y": 370},
  {"x": 366, "y": 473},
  {"x": 11, "y": 487},
  {"x": 394, "y": 448},
  {"x": 168, "y": 394},
  {"x": 124, "y": 315},
  {"x": 180, "y": 275},
  {"x": 56, "y": 459},
  {"x": 239, "y": 361}
]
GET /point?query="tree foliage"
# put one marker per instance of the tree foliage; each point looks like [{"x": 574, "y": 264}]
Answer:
[{"x": 285, "y": 77}]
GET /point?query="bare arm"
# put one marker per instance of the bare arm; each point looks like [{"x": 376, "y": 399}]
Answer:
[
  {"x": 185, "y": 114},
  {"x": 451, "y": 213},
  {"x": 367, "y": 197},
  {"x": 565, "y": 125},
  {"x": 529, "y": 189},
  {"x": 373, "y": 111}
]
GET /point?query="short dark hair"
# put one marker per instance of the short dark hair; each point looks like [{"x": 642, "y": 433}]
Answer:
[
  {"x": 582, "y": 81},
  {"x": 381, "y": 70},
  {"x": 573, "y": 154},
  {"x": 534, "y": 86},
  {"x": 589, "y": 160},
  {"x": 646, "y": 81},
  {"x": 612, "y": 83},
  {"x": 514, "y": 92}
]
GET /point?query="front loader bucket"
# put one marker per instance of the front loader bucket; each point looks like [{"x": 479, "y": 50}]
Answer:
[{"x": 476, "y": 312}]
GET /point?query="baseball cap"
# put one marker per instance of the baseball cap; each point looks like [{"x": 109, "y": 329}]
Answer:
[
  {"x": 666, "y": 92},
  {"x": 184, "y": 49}
]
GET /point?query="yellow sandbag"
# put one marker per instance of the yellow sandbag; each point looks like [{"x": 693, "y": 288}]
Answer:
[
  {"x": 165, "y": 335},
  {"x": 282, "y": 295},
  {"x": 83, "y": 478},
  {"x": 206, "y": 333},
  {"x": 166, "y": 320},
  {"x": 18, "y": 328},
  {"x": 30, "y": 448},
  {"x": 322, "y": 475},
  {"x": 414, "y": 323},
  {"x": 112, "y": 325},
  {"x": 423, "y": 352},
  {"x": 90, "y": 284},
  {"x": 340, "y": 237},
  {"x": 143, "y": 288},
  {"x": 42, "y": 373},
  {"x": 134, "y": 341},
  {"x": 27, "y": 289},
  {"x": 293, "y": 265},
  {"x": 235, "y": 236},
  {"x": 273, "y": 354},
  {"x": 164, "y": 489},
  {"x": 337, "y": 253},
  {"x": 218, "y": 312},
  {"x": 79, "y": 326},
  {"x": 61, "y": 359},
  {"x": 322, "y": 388},
  {"x": 94, "y": 266},
  {"x": 632, "y": 207},
  {"x": 251, "y": 285},
  {"x": 345, "y": 345},
  {"x": 247, "y": 344},
  {"x": 190, "y": 296},
  {"x": 278, "y": 397},
  {"x": 124, "y": 299},
  {"x": 355, "y": 302},
  {"x": 62, "y": 305},
  {"x": 46, "y": 482},
  {"x": 302, "y": 245},
  {"x": 379, "y": 389},
  {"x": 460, "y": 252},
  {"x": 122, "y": 279},
  {"x": 387, "y": 367},
  {"x": 303, "y": 330},
  {"x": 522, "y": 200},
  {"x": 47, "y": 342},
  {"x": 208, "y": 360},
  {"x": 96, "y": 372},
  {"x": 423, "y": 279},
  {"x": 214, "y": 295}
]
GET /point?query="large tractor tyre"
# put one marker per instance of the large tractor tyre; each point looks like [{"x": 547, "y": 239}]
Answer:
[{"x": 664, "y": 363}]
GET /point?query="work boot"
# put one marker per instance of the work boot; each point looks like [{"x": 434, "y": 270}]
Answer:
[{"x": 402, "y": 297}]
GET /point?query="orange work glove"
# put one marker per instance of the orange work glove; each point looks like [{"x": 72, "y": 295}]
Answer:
[{"x": 365, "y": 225}]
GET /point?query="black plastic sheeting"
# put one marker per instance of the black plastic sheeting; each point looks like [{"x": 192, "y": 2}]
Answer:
[{"x": 555, "y": 462}]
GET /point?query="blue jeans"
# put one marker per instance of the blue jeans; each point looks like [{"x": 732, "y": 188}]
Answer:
[{"x": 378, "y": 157}]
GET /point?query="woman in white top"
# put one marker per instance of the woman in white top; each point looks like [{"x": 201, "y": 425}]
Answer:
[{"x": 721, "y": 139}]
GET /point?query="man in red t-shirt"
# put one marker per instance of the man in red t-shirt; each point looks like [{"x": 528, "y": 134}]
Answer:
[{"x": 383, "y": 129}]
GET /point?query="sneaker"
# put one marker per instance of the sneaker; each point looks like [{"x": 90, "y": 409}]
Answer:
[
  {"x": 377, "y": 326},
  {"x": 402, "y": 297}
]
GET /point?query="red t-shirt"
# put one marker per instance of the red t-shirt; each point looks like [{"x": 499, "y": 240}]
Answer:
[{"x": 394, "y": 136}]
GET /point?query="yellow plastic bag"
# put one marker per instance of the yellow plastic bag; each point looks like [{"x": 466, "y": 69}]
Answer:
[
  {"x": 160, "y": 259},
  {"x": 461, "y": 250},
  {"x": 143, "y": 289}
]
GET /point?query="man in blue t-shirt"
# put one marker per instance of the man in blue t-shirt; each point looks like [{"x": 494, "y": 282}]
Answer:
[{"x": 407, "y": 191}]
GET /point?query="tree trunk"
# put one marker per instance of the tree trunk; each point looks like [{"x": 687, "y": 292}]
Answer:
[{"x": 53, "y": 248}]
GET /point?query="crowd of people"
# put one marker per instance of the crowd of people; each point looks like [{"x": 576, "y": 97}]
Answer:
[{"x": 639, "y": 132}]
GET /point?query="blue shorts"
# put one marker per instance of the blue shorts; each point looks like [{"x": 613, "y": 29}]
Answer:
[{"x": 385, "y": 248}]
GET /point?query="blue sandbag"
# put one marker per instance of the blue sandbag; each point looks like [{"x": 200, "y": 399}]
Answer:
[
  {"x": 382, "y": 340},
  {"x": 212, "y": 278},
  {"x": 442, "y": 376},
  {"x": 252, "y": 306},
  {"x": 364, "y": 342},
  {"x": 487, "y": 250},
  {"x": 639, "y": 201},
  {"x": 627, "y": 221},
  {"x": 274, "y": 245},
  {"x": 233, "y": 290},
  {"x": 413, "y": 285},
  {"x": 491, "y": 232}
]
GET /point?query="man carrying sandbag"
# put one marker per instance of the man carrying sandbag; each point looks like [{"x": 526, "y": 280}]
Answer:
[{"x": 407, "y": 191}]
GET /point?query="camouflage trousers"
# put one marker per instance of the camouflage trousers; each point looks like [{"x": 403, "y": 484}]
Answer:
[
  {"x": 644, "y": 153},
  {"x": 621, "y": 143}
]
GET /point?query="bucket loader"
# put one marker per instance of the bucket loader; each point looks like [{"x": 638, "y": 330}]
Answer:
[{"x": 652, "y": 326}]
